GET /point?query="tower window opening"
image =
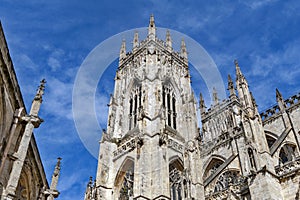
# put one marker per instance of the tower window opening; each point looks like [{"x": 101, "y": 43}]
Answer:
[
  {"x": 169, "y": 103},
  {"x": 252, "y": 159},
  {"x": 176, "y": 183},
  {"x": 135, "y": 103},
  {"x": 124, "y": 182}
]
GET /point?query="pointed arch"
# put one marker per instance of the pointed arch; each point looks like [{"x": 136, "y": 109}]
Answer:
[
  {"x": 287, "y": 153},
  {"x": 23, "y": 188},
  {"x": 226, "y": 179},
  {"x": 212, "y": 165},
  {"x": 178, "y": 184},
  {"x": 252, "y": 159},
  {"x": 169, "y": 102},
  {"x": 270, "y": 137},
  {"x": 125, "y": 179},
  {"x": 170, "y": 81},
  {"x": 134, "y": 99}
]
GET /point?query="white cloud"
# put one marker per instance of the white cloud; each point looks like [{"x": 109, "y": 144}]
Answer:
[
  {"x": 58, "y": 98},
  {"x": 255, "y": 4},
  {"x": 24, "y": 61}
]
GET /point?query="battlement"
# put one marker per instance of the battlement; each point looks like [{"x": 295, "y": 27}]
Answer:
[
  {"x": 216, "y": 109},
  {"x": 274, "y": 110}
]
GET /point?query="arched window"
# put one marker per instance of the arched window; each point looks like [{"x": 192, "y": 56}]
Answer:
[
  {"x": 23, "y": 190},
  {"x": 125, "y": 180},
  {"x": 126, "y": 190},
  {"x": 212, "y": 167},
  {"x": 287, "y": 153},
  {"x": 135, "y": 102},
  {"x": 178, "y": 186},
  {"x": 169, "y": 103},
  {"x": 251, "y": 159},
  {"x": 226, "y": 179},
  {"x": 270, "y": 140}
]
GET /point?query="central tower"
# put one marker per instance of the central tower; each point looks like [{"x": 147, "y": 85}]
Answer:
[{"x": 150, "y": 147}]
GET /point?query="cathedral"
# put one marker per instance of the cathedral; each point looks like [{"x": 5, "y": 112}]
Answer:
[
  {"x": 154, "y": 148},
  {"x": 22, "y": 175}
]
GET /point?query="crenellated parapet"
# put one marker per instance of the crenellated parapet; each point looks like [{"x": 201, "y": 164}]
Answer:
[{"x": 273, "y": 112}]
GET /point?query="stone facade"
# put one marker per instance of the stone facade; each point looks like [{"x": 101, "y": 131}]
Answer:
[
  {"x": 153, "y": 147},
  {"x": 22, "y": 174}
]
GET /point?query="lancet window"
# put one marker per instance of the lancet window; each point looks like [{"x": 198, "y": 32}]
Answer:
[
  {"x": 169, "y": 103},
  {"x": 212, "y": 167},
  {"x": 125, "y": 181},
  {"x": 135, "y": 103},
  {"x": 251, "y": 158},
  {"x": 178, "y": 181},
  {"x": 287, "y": 153},
  {"x": 126, "y": 191}
]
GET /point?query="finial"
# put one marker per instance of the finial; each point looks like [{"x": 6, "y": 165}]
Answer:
[
  {"x": 57, "y": 167},
  {"x": 168, "y": 41},
  {"x": 183, "y": 52},
  {"x": 202, "y": 105},
  {"x": 123, "y": 50},
  {"x": 135, "y": 41},
  {"x": 151, "y": 28},
  {"x": 238, "y": 70},
  {"x": 280, "y": 100},
  {"x": 278, "y": 95},
  {"x": 55, "y": 177},
  {"x": 231, "y": 87},
  {"x": 215, "y": 96},
  {"x": 253, "y": 100},
  {"x": 40, "y": 90},
  {"x": 38, "y": 98}
]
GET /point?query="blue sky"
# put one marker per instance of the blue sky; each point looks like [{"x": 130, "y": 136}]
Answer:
[{"x": 50, "y": 39}]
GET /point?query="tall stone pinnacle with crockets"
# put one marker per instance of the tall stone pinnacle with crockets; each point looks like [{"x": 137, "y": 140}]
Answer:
[
  {"x": 32, "y": 121},
  {"x": 150, "y": 150}
]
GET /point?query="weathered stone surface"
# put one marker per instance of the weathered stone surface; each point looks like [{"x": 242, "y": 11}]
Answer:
[
  {"x": 153, "y": 148},
  {"x": 22, "y": 174}
]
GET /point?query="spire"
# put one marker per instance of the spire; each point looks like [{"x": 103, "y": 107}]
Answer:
[
  {"x": 231, "y": 87},
  {"x": 135, "y": 41},
  {"x": 151, "y": 28},
  {"x": 122, "y": 51},
  {"x": 55, "y": 175},
  {"x": 253, "y": 100},
  {"x": 202, "y": 105},
  {"x": 183, "y": 51},
  {"x": 37, "y": 101},
  {"x": 239, "y": 73},
  {"x": 168, "y": 41},
  {"x": 215, "y": 96},
  {"x": 52, "y": 192},
  {"x": 280, "y": 100}
]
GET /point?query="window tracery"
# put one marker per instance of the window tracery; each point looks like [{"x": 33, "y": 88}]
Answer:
[
  {"x": 212, "y": 167},
  {"x": 125, "y": 181},
  {"x": 126, "y": 191},
  {"x": 169, "y": 103},
  {"x": 226, "y": 179},
  {"x": 176, "y": 183},
  {"x": 287, "y": 153},
  {"x": 135, "y": 103}
]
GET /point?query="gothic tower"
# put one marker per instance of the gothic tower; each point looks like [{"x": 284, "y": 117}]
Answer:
[
  {"x": 153, "y": 149},
  {"x": 150, "y": 147}
]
